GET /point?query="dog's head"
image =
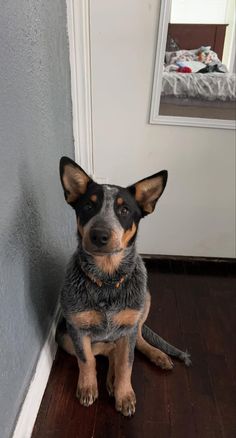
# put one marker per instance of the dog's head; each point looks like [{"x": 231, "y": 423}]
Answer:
[{"x": 108, "y": 215}]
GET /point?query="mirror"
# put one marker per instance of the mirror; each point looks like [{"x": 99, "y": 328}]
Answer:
[{"x": 194, "y": 79}]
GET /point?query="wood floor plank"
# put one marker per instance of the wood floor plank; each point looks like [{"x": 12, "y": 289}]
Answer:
[
  {"x": 107, "y": 419},
  {"x": 202, "y": 396},
  {"x": 226, "y": 330},
  {"x": 224, "y": 392},
  {"x": 220, "y": 374},
  {"x": 181, "y": 410},
  {"x": 193, "y": 306}
]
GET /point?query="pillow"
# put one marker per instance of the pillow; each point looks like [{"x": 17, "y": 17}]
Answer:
[{"x": 180, "y": 55}]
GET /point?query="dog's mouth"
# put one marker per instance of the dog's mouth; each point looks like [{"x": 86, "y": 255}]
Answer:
[{"x": 103, "y": 252}]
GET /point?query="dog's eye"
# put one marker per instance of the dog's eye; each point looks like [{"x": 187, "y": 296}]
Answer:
[
  {"x": 88, "y": 206},
  {"x": 124, "y": 211}
]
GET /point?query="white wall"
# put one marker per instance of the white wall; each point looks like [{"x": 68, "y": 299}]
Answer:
[
  {"x": 229, "y": 45},
  {"x": 196, "y": 215}
]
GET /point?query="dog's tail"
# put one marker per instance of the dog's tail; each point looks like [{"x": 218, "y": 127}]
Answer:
[{"x": 156, "y": 341}]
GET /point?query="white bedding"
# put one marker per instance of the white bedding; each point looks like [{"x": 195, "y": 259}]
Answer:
[{"x": 206, "y": 86}]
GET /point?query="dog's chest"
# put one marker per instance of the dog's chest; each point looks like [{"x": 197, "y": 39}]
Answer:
[
  {"x": 105, "y": 325},
  {"x": 113, "y": 325}
]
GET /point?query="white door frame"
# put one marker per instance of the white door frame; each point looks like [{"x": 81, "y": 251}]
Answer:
[{"x": 78, "y": 22}]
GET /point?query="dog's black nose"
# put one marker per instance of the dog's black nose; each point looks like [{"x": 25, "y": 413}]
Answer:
[{"x": 99, "y": 236}]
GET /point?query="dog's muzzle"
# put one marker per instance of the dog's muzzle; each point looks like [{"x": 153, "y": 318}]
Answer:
[{"x": 99, "y": 236}]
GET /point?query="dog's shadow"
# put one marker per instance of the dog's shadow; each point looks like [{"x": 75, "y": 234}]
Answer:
[{"x": 41, "y": 258}]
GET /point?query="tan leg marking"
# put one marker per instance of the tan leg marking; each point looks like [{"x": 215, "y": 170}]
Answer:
[
  {"x": 126, "y": 317},
  {"x": 154, "y": 354},
  {"x": 67, "y": 344},
  {"x": 87, "y": 390},
  {"x": 124, "y": 394},
  {"x": 86, "y": 319},
  {"x": 104, "y": 348},
  {"x": 107, "y": 349}
]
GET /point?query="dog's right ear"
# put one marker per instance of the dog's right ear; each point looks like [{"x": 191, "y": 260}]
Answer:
[{"x": 74, "y": 180}]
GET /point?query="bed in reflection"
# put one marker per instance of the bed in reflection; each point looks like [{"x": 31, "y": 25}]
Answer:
[{"x": 195, "y": 83}]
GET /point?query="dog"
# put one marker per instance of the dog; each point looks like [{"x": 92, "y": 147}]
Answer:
[{"x": 104, "y": 298}]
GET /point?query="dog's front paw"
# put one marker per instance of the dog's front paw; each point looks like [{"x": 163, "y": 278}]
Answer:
[
  {"x": 126, "y": 403},
  {"x": 162, "y": 360},
  {"x": 87, "y": 394}
]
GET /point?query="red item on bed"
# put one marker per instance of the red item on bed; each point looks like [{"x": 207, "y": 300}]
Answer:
[{"x": 184, "y": 70}]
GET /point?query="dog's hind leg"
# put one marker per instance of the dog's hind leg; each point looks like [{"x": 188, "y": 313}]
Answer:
[
  {"x": 63, "y": 339},
  {"x": 154, "y": 354},
  {"x": 156, "y": 341}
]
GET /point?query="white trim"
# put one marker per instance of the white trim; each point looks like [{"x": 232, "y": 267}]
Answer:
[
  {"x": 31, "y": 404},
  {"x": 194, "y": 121},
  {"x": 160, "y": 56},
  {"x": 232, "y": 50},
  {"x": 78, "y": 22},
  {"x": 155, "y": 118}
]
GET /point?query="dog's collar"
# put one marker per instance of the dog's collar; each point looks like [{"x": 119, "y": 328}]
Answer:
[{"x": 100, "y": 282}]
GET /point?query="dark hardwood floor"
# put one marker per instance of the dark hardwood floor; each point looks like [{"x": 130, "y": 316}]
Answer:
[{"x": 194, "y": 307}]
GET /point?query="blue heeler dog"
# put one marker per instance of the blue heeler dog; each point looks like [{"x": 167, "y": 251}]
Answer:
[{"x": 104, "y": 299}]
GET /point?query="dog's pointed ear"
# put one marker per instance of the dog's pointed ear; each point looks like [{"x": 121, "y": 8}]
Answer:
[
  {"x": 74, "y": 180},
  {"x": 148, "y": 191}
]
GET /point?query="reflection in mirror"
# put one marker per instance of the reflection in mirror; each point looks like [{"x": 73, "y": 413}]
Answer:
[{"x": 197, "y": 60}]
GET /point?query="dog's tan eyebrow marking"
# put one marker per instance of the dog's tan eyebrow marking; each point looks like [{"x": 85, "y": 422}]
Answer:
[
  {"x": 126, "y": 317},
  {"x": 120, "y": 201},
  {"x": 93, "y": 198},
  {"x": 86, "y": 319},
  {"x": 128, "y": 235}
]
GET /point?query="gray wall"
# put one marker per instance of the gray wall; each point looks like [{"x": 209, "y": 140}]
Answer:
[{"x": 36, "y": 228}]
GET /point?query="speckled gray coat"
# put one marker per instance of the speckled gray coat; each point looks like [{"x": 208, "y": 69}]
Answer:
[{"x": 80, "y": 293}]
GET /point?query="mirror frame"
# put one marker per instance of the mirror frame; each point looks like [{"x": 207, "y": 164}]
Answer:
[{"x": 155, "y": 117}]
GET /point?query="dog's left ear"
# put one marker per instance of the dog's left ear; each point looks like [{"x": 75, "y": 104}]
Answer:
[
  {"x": 74, "y": 180},
  {"x": 148, "y": 191}
]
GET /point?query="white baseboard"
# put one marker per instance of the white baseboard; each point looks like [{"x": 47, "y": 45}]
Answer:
[{"x": 31, "y": 404}]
